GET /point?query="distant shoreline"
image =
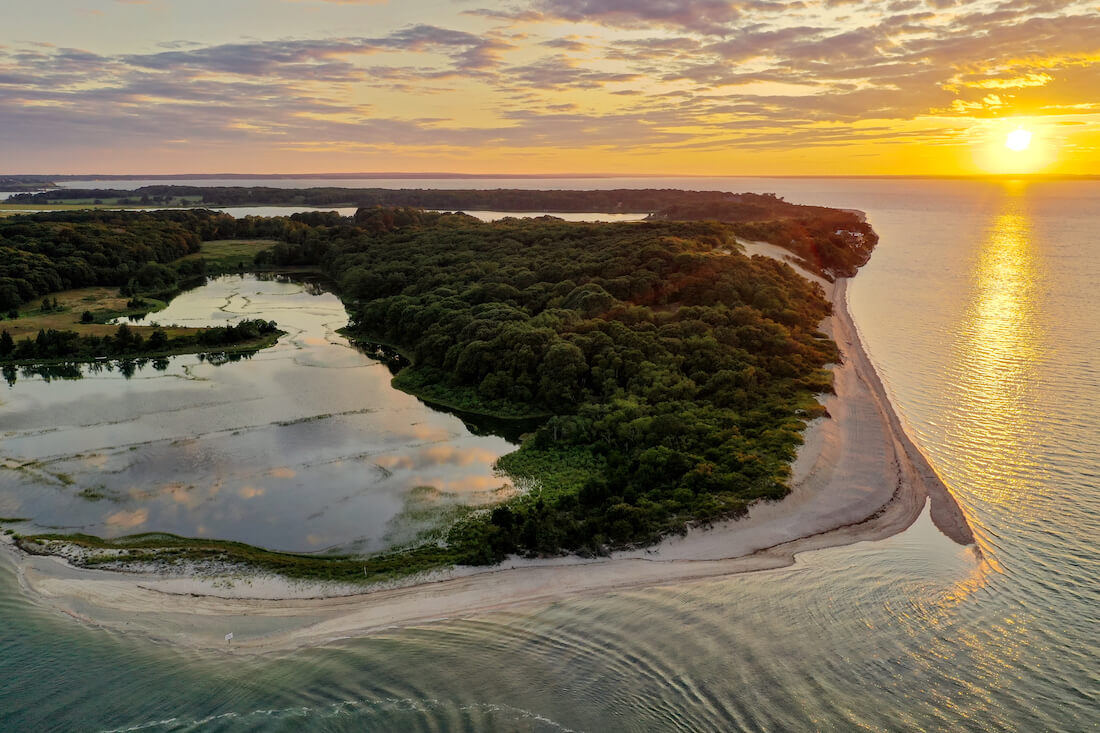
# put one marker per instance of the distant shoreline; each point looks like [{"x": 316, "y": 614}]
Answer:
[
  {"x": 858, "y": 477},
  {"x": 46, "y": 179}
]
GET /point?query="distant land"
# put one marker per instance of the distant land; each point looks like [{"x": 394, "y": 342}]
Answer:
[{"x": 21, "y": 182}]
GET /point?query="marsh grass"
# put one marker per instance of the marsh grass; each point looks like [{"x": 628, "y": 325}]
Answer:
[{"x": 162, "y": 548}]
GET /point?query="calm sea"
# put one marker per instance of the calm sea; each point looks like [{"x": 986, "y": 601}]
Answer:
[{"x": 979, "y": 309}]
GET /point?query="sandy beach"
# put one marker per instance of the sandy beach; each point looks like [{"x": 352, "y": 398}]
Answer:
[{"x": 857, "y": 477}]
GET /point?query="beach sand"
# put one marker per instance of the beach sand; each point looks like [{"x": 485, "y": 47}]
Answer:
[{"x": 857, "y": 477}]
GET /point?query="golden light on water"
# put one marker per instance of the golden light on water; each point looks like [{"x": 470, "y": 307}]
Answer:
[{"x": 1003, "y": 349}]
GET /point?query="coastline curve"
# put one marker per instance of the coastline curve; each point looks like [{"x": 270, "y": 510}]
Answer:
[{"x": 857, "y": 477}]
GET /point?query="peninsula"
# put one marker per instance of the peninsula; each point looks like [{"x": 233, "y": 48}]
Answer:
[{"x": 673, "y": 367}]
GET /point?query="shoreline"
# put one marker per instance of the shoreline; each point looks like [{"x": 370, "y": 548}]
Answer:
[{"x": 857, "y": 477}]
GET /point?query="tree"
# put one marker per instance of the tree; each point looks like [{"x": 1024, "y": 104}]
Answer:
[
  {"x": 158, "y": 340},
  {"x": 87, "y": 317},
  {"x": 124, "y": 336},
  {"x": 7, "y": 344},
  {"x": 563, "y": 370}
]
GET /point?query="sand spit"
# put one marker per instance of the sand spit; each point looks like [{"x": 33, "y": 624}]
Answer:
[{"x": 858, "y": 477}]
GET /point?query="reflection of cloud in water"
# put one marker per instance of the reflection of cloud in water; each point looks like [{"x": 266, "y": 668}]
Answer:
[
  {"x": 251, "y": 492},
  {"x": 437, "y": 455},
  {"x": 127, "y": 520},
  {"x": 282, "y": 472},
  {"x": 449, "y": 454},
  {"x": 474, "y": 483},
  {"x": 187, "y": 496},
  {"x": 462, "y": 485},
  {"x": 422, "y": 431},
  {"x": 95, "y": 460}
]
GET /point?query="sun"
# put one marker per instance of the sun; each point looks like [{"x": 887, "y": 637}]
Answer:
[
  {"x": 1014, "y": 146},
  {"x": 1018, "y": 140}
]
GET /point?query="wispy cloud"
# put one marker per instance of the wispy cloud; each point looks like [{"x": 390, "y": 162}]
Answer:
[{"x": 620, "y": 75}]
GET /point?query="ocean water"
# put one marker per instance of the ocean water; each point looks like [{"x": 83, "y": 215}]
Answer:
[{"x": 978, "y": 308}]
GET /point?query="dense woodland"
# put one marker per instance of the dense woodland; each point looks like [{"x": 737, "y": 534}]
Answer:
[
  {"x": 137, "y": 251},
  {"x": 832, "y": 241},
  {"x": 676, "y": 378},
  {"x": 58, "y": 345},
  {"x": 673, "y": 373},
  {"x": 45, "y": 253},
  {"x": 642, "y": 201}
]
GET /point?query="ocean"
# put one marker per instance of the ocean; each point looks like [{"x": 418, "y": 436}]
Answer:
[{"x": 978, "y": 308}]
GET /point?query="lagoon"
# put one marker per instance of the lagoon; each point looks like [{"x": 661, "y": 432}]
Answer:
[{"x": 302, "y": 447}]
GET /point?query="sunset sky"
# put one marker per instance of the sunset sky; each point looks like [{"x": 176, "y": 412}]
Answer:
[{"x": 690, "y": 87}]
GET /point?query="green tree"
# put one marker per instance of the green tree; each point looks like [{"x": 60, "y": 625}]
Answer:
[
  {"x": 158, "y": 340},
  {"x": 7, "y": 344},
  {"x": 563, "y": 371},
  {"x": 124, "y": 336}
]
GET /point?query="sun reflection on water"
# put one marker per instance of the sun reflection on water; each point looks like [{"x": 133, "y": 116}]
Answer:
[{"x": 1000, "y": 355}]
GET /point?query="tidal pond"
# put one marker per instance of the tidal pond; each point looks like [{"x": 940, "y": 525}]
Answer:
[{"x": 301, "y": 447}]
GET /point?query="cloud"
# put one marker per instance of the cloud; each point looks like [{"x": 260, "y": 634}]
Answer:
[
  {"x": 659, "y": 75},
  {"x": 704, "y": 16},
  {"x": 327, "y": 59}
]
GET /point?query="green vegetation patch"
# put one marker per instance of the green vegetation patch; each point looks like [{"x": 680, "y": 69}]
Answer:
[
  {"x": 52, "y": 346},
  {"x": 170, "y": 549},
  {"x": 230, "y": 255}
]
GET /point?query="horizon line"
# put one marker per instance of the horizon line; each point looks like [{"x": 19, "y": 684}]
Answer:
[{"x": 522, "y": 176}]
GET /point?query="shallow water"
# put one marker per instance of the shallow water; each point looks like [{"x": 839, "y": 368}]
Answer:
[
  {"x": 240, "y": 212},
  {"x": 305, "y": 446},
  {"x": 978, "y": 308}
]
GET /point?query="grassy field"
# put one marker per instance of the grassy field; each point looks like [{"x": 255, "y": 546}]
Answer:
[
  {"x": 224, "y": 255},
  {"x": 104, "y": 303}
]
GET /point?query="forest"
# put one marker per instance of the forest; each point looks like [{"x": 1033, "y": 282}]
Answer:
[
  {"x": 671, "y": 374},
  {"x": 138, "y": 251},
  {"x": 674, "y": 378},
  {"x": 832, "y": 242},
  {"x": 45, "y": 253},
  {"x": 57, "y": 345}
]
